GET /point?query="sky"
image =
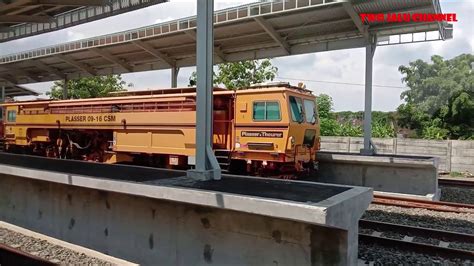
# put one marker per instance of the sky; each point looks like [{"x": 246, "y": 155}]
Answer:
[{"x": 345, "y": 66}]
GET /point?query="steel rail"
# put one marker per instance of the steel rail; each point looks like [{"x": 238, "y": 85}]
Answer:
[
  {"x": 423, "y": 204},
  {"x": 418, "y": 247},
  {"x": 456, "y": 183},
  {"x": 446, "y": 236}
]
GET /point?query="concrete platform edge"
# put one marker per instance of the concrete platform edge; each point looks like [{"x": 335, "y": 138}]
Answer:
[
  {"x": 303, "y": 212},
  {"x": 64, "y": 244},
  {"x": 432, "y": 197}
]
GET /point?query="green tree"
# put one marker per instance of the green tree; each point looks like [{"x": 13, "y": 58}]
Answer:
[
  {"x": 91, "y": 87},
  {"x": 241, "y": 74},
  {"x": 348, "y": 129},
  {"x": 325, "y": 105},
  {"x": 440, "y": 100},
  {"x": 382, "y": 129},
  {"x": 328, "y": 124}
]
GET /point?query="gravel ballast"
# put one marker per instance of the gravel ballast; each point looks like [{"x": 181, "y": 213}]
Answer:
[
  {"x": 374, "y": 254},
  {"x": 46, "y": 250},
  {"x": 455, "y": 222},
  {"x": 380, "y": 255},
  {"x": 459, "y": 195}
]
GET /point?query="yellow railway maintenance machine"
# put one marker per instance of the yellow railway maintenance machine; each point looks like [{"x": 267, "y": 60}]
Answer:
[{"x": 264, "y": 129}]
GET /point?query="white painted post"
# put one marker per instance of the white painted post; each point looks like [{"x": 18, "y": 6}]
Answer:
[
  {"x": 369, "y": 56},
  {"x": 207, "y": 167},
  {"x": 449, "y": 154}
]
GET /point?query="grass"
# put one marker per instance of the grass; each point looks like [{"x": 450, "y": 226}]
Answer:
[{"x": 456, "y": 174}]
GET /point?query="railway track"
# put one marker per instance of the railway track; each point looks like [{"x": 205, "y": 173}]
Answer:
[
  {"x": 456, "y": 183},
  {"x": 11, "y": 256},
  {"x": 410, "y": 232},
  {"x": 424, "y": 204}
]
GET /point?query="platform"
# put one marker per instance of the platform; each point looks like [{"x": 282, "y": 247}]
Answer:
[
  {"x": 151, "y": 216},
  {"x": 395, "y": 175}
]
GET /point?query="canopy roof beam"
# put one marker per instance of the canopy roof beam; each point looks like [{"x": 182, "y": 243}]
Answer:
[
  {"x": 23, "y": 9},
  {"x": 217, "y": 49},
  {"x": 20, "y": 3},
  {"x": 155, "y": 52},
  {"x": 363, "y": 29},
  {"x": 24, "y": 19},
  {"x": 47, "y": 68},
  {"x": 10, "y": 79},
  {"x": 89, "y": 70},
  {"x": 112, "y": 58},
  {"x": 274, "y": 34},
  {"x": 5, "y": 7},
  {"x": 71, "y": 2},
  {"x": 22, "y": 73}
]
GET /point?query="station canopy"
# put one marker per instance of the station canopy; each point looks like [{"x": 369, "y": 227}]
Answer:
[
  {"x": 260, "y": 30},
  {"x": 22, "y": 18},
  {"x": 16, "y": 90}
]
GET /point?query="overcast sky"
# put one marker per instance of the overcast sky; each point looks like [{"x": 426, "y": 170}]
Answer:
[{"x": 336, "y": 66}]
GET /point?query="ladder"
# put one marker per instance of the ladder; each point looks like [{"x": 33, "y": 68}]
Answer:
[{"x": 223, "y": 158}]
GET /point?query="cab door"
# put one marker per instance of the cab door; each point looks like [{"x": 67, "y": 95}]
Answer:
[{"x": 301, "y": 130}]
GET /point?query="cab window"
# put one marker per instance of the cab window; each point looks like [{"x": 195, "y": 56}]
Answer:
[
  {"x": 296, "y": 109},
  {"x": 11, "y": 116},
  {"x": 266, "y": 111},
  {"x": 310, "y": 111}
]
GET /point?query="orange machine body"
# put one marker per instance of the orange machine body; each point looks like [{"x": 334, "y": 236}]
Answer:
[{"x": 268, "y": 128}]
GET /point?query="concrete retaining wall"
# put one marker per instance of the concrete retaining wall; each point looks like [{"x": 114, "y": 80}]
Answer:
[
  {"x": 152, "y": 232},
  {"x": 169, "y": 225},
  {"x": 454, "y": 155},
  {"x": 415, "y": 176}
]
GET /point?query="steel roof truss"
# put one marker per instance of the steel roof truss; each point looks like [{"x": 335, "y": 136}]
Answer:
[
  {"x": 274, "y": 34},
  {"x": 149, "y": 49},
  {"x": 112, "y": 58},
  {"x": 356, "y": 19},
  {"x": 89, "y": 70}
]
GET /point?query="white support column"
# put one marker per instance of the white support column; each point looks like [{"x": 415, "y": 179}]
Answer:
[
  {"x": 207, "y": 167},
  {"x": 369, "y": 56},
  {"x": 174, "y": 77}
]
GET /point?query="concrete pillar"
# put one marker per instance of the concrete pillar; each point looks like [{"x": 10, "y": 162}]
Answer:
[
  {"x": 174, "y": 77},
  {"x": 369, "y": 56},
  {"x": 65, "y": 88},
  {"x": 2, "y": 100},
  {"x": 2, "y": 96},
  {"x": 331, "y": 246},
  {"x": 207, "y": 166}
]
